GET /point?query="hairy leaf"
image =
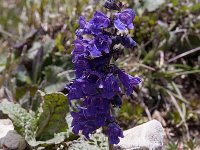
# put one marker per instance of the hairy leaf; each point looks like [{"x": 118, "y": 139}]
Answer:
[
  {"x": 24, "y": 122},
  {"x": 58, "y": 138},
  {"x": 97, "y": 141},
  {"x": 52, "y": 119}
]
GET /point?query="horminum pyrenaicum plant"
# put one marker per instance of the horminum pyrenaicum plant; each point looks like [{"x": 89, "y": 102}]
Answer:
[{"x": 98, "y": 83}]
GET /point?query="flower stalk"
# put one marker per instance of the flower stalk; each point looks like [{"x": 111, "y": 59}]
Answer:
[{"x": 99, "y": 84}]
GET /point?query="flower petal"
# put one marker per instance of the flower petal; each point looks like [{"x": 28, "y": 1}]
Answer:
[{"x": 119, "y": 25}]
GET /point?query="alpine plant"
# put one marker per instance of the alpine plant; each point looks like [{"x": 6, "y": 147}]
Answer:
[{"x": 99, "y": 84}]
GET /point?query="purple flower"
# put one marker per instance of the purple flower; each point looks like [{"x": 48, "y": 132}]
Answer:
[
  {"x": 80, "y": 49},
  {"x": 90, "y": 85},
  {"x": 101, "y": 44},
  {"x": 94, "y": 48},
  {"x": 100, "y": 20},
  {"x": 94, "y": 26},
  {"x": 93, "y": 113},
  {"x": 86, "y": 85},
  {"x": 128, "y": 42},
  {"x": 79, "y": 33},
  {"x": 83, "y": 23},
  {"x": 124, "y": 19},
  {"x": 82, "y": 64},
  {"x": 110, "y": 4},
  {"x": 85, "y": 27},
  {"x": 128, "y": 81},
  {"x": 116, "y": 101},
  {"x": 75, "y": 90},
  {"x": 109, "y": 86},
  {"x": 100, "y": 63},
  {"x": 114, "y": 132}
]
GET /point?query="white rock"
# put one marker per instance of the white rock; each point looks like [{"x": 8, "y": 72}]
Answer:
[
  {"x": 148, "y": 136},
  {"x": 13, "y": 141},
  {"x": 5, "y": 126}
]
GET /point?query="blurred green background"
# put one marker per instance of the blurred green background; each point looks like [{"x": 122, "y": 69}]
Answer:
[{"x": 36, "y": 40}]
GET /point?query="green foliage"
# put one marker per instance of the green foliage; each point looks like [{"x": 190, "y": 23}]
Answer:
[
  {"x": 58, "y": 138},
  {"x": 131, "y": 112},
  {"x": 54, "y": 82},
  {"x": 25, "y": 123},
  {"x": 190, "y": 144},
  {"x": 52, "y": 119},
  {"x": 47, "y": 127},
  {"x": 172, "y": 146}
]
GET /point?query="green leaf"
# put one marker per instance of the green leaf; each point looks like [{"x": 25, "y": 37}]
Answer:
[
  {"x": 51, "y": 73},
  {"x": 48, "y": 46},
  {"x": 188, "y": 72},
  {"x": 59, "y": 41},
  {"x": 21, "y": 91},
  {"x": 174, "y": 2},
  {"x": 54, "y": 81},
  {"x": 32, "y": 52},
  {"x": 24, "y": 122},
  {"x": 52, "y": 119},
  {"x": 195, "y": 8},
  {"x": 50, "y": 127}
]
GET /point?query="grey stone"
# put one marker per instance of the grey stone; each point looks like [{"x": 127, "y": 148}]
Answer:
[
  {"x": 148, "y": 136},
  {"x": 5, "y": 126},
  {"x": 13, "y": 141}
]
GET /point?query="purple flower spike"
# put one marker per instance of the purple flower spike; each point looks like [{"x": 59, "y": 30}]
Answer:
[
  {"x": 98, "y": 84},
  {"x": 124, "y": 19}
]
